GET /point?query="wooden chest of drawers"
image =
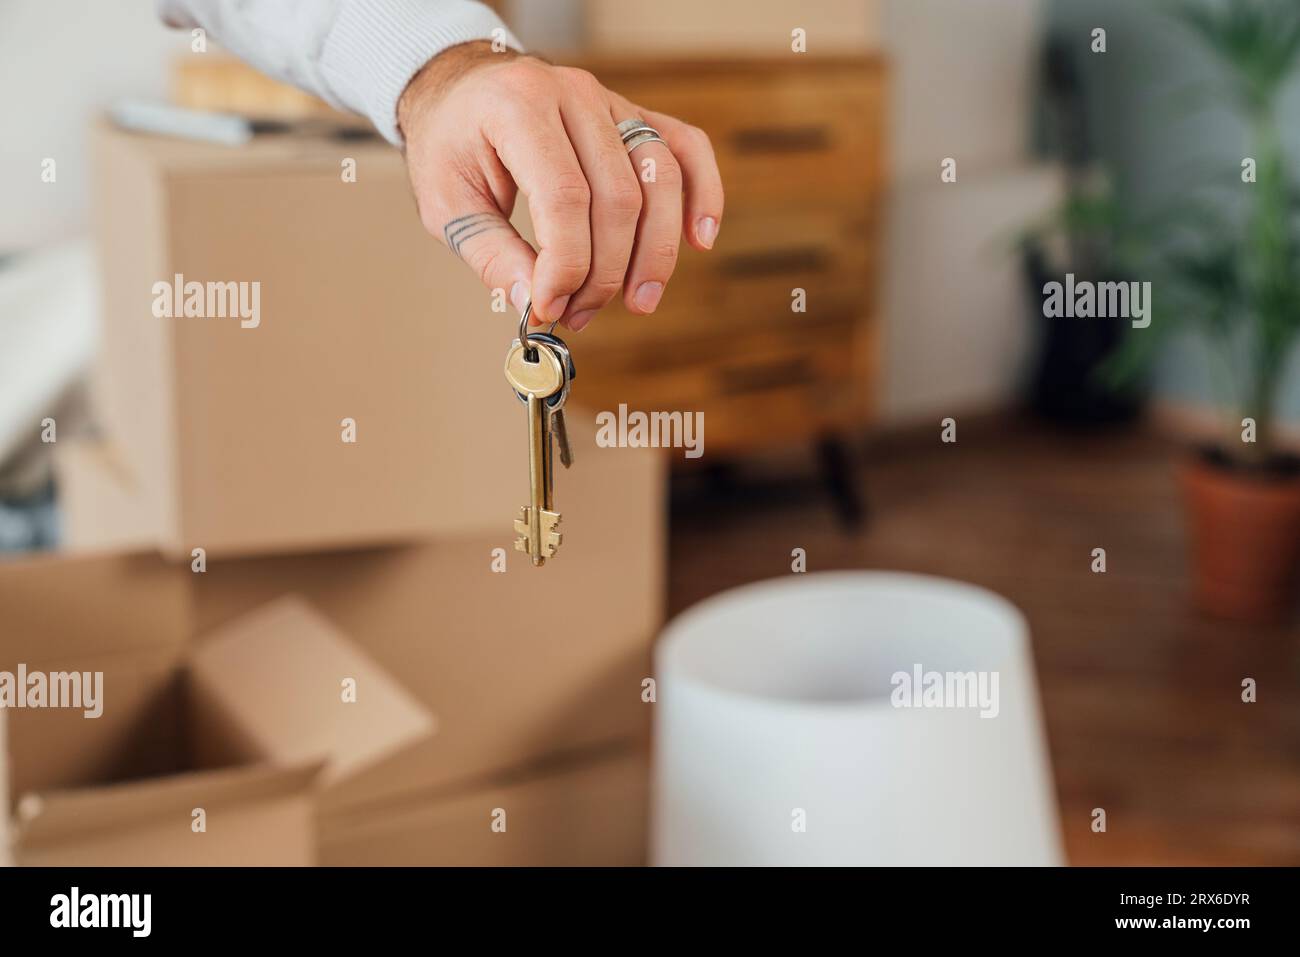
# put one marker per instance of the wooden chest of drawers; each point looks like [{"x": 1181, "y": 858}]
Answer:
[{"x": 800, "y": 143}]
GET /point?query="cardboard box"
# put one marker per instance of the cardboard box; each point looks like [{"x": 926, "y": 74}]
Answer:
[
  {"x": 513, "y": 671},
  {"x": 731, "y": 27},
  {"x": 208, "y": 754},
  {"x": 234, "y": 428},
  {"x": 101, "y": 508},
  {"x": 289, "y": 685},
  {"x": 6, "y": 855},
  {"x": 592, "y": 814},
  {"x": 130, "y": 786},
  {"x": 516, "y": 665},
  {"x": 223, "y": 84}
]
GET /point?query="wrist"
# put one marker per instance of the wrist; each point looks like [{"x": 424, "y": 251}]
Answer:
[{"x": 437, "y": 77}]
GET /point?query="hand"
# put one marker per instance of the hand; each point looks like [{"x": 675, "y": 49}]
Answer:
[{"x": 480, "y": 126}]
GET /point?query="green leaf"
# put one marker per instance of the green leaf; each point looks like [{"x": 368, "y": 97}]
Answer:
[{"x": 1258, "y": 41}]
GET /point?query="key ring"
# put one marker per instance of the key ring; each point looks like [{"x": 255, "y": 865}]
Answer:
[
  {"x": 524, "y": 333},
  {"x": 566, "y": 362}
]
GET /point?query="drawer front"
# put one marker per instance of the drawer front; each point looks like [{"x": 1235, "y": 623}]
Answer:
[
  {"x": 784, "y": 132},
  {"x": 749, "y": 279},
  {"x": 753, "y": 389}
]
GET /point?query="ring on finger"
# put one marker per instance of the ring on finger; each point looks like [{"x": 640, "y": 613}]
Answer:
[{"x": 636, "y": 133}]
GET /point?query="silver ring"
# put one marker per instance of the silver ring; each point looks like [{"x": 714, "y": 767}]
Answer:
[
  {"x": 643, "y": 138},
  {"x": 631, "y": 125},
  {"x": 636, "y": 133}
]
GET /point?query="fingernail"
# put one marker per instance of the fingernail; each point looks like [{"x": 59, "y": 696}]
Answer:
[
  {"x": 706, "y": 231},
  {"x": 578, "y": 320},
  {"x": 556, "y": 310},
  {"x": 647, "y": 296},
  {"x": 519, "y": 296}
]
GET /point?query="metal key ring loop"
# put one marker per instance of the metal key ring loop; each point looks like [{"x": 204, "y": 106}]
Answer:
[{"x": 523, "y": 323}]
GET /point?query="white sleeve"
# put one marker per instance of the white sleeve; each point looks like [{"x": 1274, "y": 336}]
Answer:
[{"x": 355, "y": 54}]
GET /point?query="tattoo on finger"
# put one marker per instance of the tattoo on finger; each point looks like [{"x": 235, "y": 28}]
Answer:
[{"x": 465, "y": 227}]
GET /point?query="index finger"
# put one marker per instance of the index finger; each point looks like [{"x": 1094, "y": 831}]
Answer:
[{"x": 538, "y": 154}]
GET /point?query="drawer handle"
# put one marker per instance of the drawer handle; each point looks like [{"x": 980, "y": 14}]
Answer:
[
  {"x": 767, "y": 375},
  {"x": 768, "y": 261},
  {"x": 782, "y": 139}
]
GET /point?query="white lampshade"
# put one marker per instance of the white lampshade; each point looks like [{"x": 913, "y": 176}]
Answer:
[{"x": 781, "y": 739}]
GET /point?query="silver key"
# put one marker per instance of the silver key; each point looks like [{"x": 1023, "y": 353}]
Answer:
[{"x": 556, "y": 411}]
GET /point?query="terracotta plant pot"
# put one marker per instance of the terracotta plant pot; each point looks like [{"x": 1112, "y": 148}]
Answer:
[{"x": 1245, "y": 540}]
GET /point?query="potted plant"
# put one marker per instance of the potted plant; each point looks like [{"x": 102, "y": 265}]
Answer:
[{"x": 1226, "y": 265}]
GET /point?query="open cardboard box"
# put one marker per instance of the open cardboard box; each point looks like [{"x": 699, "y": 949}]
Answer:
[
  {"x": 212, "y": 754},
  {"x": 518, "y": 665}
]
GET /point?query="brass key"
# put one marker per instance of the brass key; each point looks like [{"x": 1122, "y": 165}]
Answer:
[
  {"x": 538, "y": 380},
  {"x": 555, "y": 404}
]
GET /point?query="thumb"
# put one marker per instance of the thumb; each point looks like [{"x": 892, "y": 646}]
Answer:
[{"x": 499, "y": 256}]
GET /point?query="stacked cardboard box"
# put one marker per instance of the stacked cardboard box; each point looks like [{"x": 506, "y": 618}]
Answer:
[
  {"x": 354, "y": 445},
  {"x": 6, "y": 854},
  {"x": 353, "y": 324}
]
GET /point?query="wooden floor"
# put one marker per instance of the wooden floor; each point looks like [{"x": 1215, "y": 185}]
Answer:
[{"x": 1142, "y": 698}]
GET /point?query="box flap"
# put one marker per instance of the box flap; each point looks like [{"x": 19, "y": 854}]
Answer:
[
  {"x": 57, "y": 607},
  {"x": 56, "y": 816},
  {"x": 291, "y": 687},
  {"x": 103, "y": 506}
]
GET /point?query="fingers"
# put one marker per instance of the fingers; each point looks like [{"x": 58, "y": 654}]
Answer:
[
  {"x": 701, "y": 179},
  {"x": 604, "y": 222},
  {"x": 462, "y": 204},
  {"x": 616, "y": 197},
  {"x": 535, "y": 148},
  {"x": 659, "y": 231},
  {"x": 499, "y": 256}
]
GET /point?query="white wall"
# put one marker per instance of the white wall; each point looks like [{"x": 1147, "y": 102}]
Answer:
[
  {"x": 552, "y": 26},
  {"x": 957, "y": 330},
  {"x": 955, "y": 324},
  {"x": 963, "y": 75},
  {"x": 60, "y": 62}
]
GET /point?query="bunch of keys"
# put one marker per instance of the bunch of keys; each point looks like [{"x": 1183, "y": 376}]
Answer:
[{"x": 540, "y": 370}]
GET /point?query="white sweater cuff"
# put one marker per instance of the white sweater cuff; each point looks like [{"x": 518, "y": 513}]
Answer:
[{"x": 376, "y": 46}]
